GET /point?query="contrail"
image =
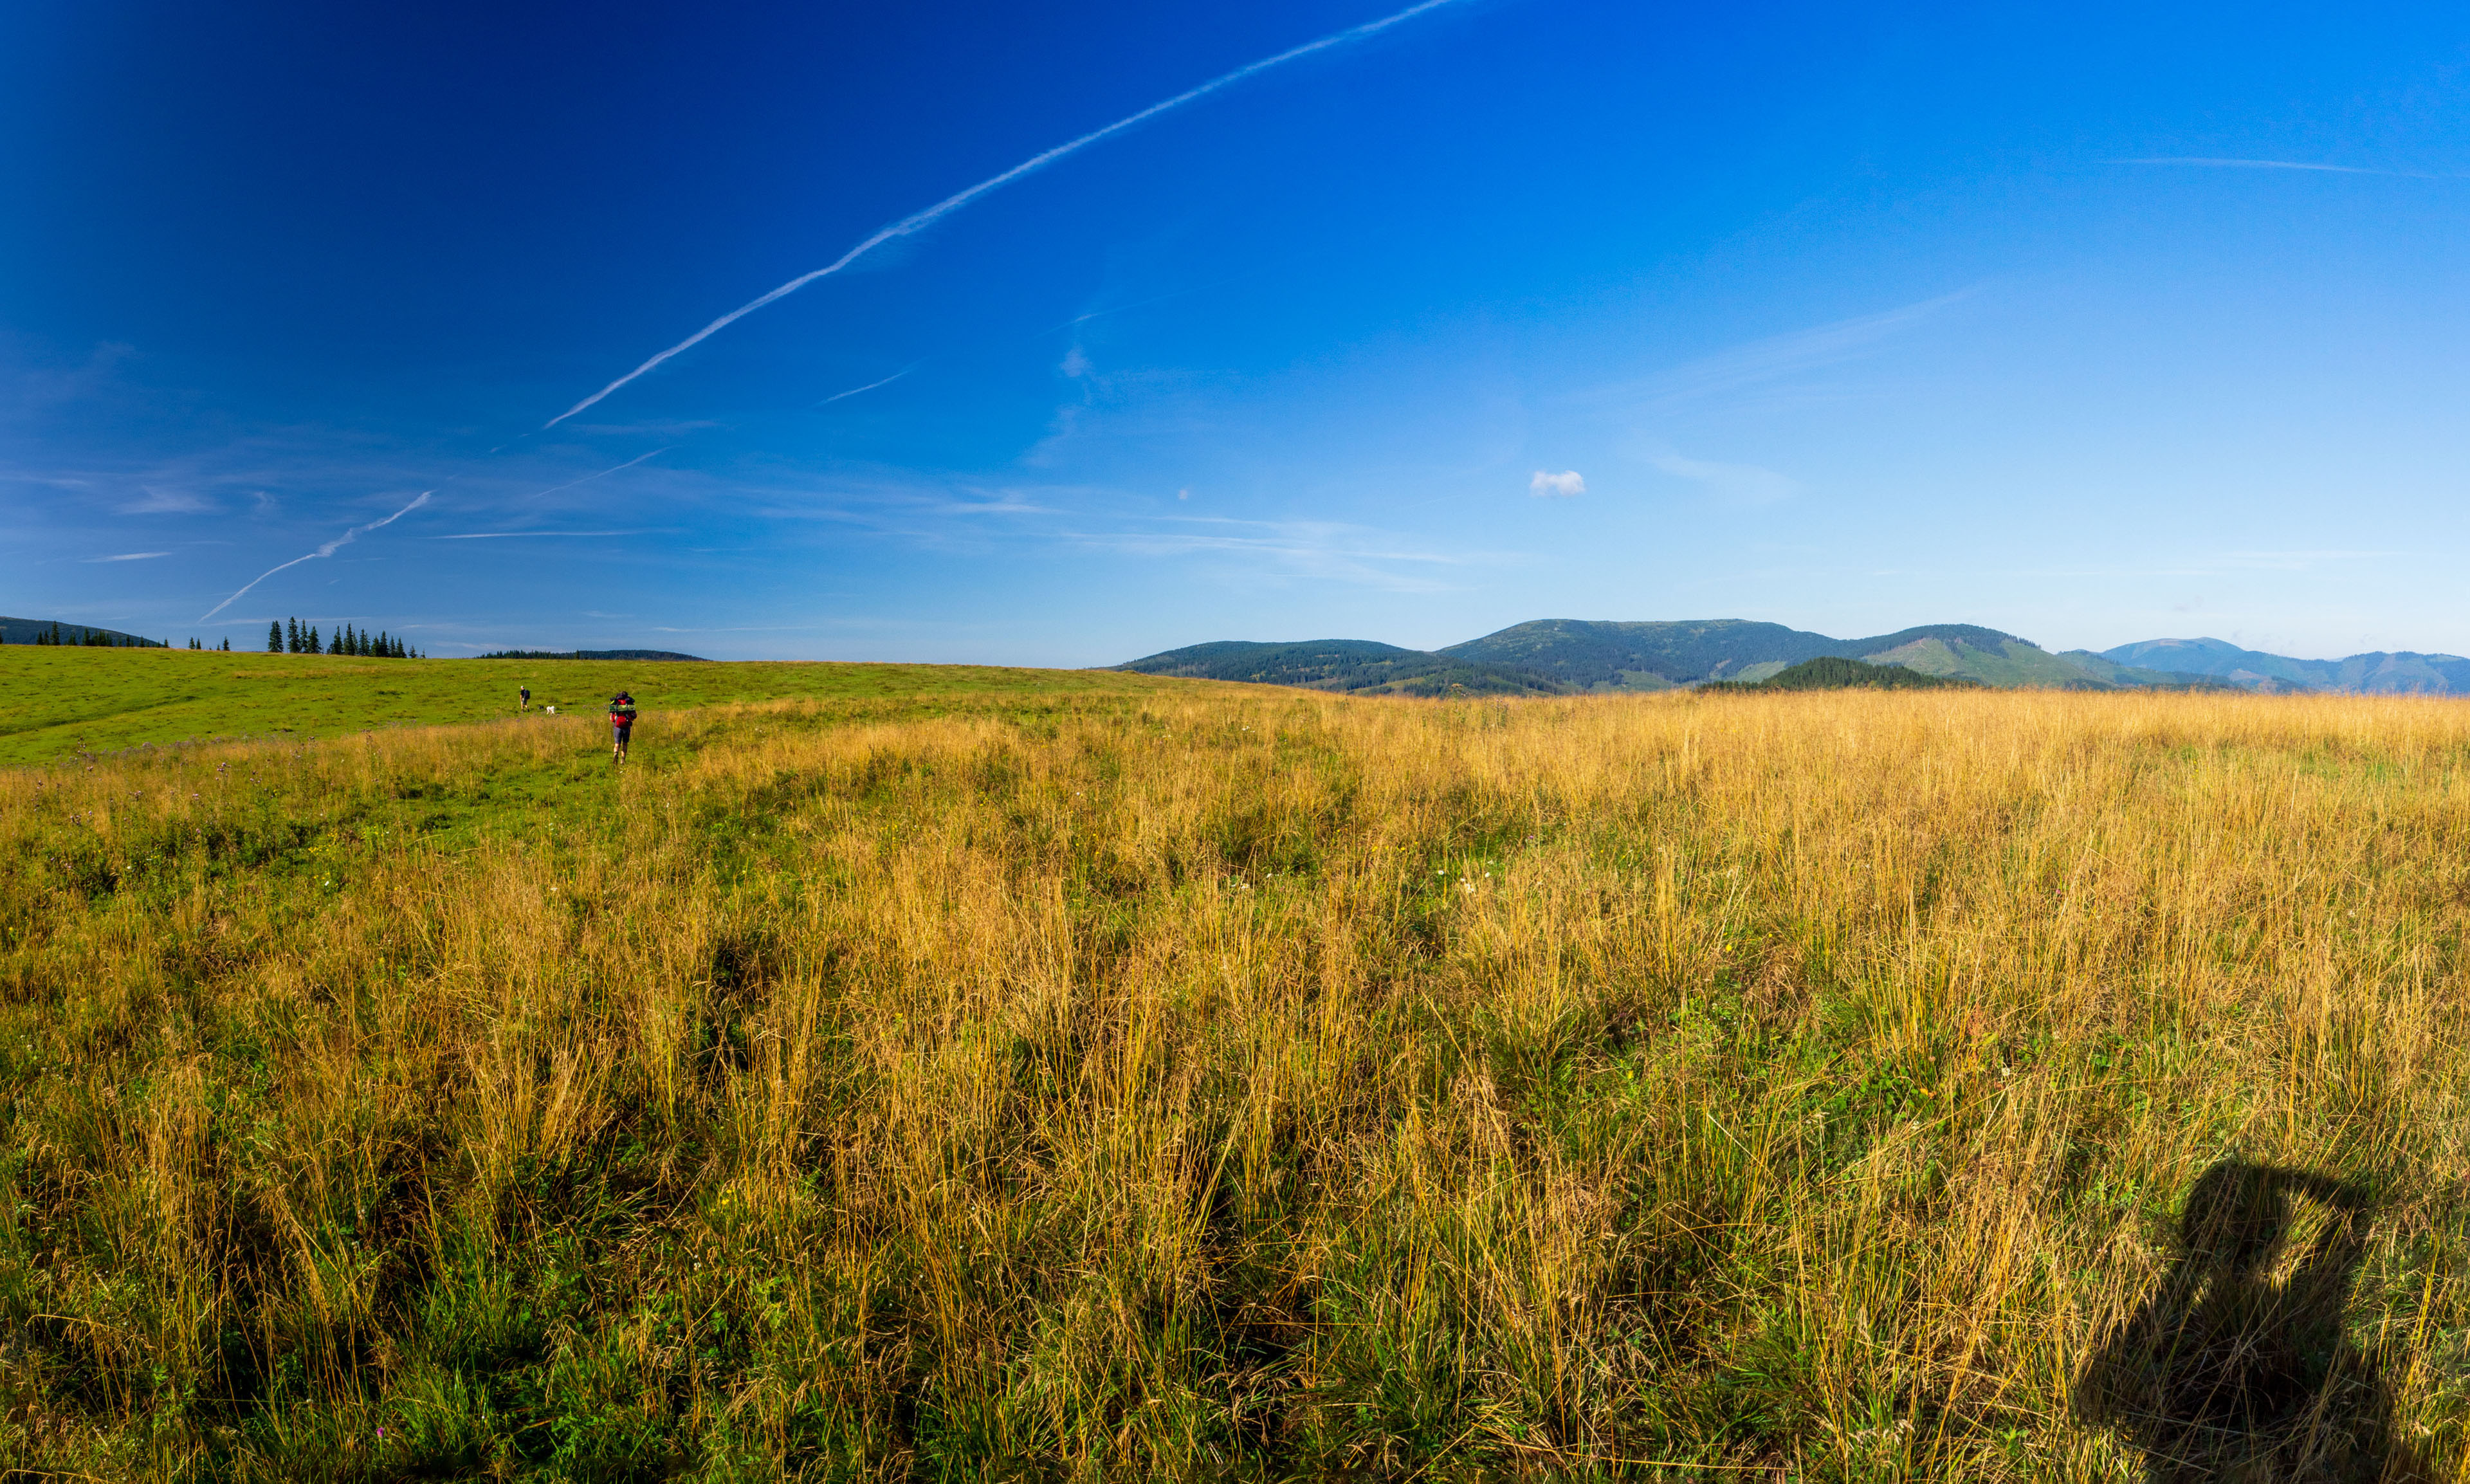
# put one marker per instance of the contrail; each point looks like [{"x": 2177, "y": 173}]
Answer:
[
  {"x": 951, "y": 203},
  {"x": 869, "y": 387},
  {"x": 328, "y": 550},
  {"x": 602, "y": 474}
]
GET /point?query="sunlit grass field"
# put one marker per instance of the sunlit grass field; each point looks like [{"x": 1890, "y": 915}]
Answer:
[
  {"x": 1193, "y": 1082},
  {"x": 55, "y": 703}
]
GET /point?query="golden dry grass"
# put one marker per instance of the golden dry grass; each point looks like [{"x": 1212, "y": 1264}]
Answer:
[{"x": 1227, "y": 1087}]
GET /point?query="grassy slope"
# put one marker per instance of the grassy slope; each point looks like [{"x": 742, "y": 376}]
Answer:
[
  {"x": 2014, "y": 664},
  {"x": 1833, "y": 672},
  {"x": 54, "y": 702},
  {"x": 1201, "y": 1084}
]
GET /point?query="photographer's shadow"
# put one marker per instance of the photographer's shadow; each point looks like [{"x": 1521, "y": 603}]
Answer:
[{"x": 2235, "y": 1368}]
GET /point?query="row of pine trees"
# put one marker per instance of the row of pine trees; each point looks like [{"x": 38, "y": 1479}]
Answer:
[
  {"x": 94, "y": 638},
  {"x": 292, "y": 637},
  {"x": 287, "y": 638}
]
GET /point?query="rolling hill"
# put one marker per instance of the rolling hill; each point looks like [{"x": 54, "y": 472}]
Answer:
[{"x": 1355, "y": 666}]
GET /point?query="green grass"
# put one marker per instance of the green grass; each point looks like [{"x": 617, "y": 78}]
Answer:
[{"x": 57, "y": 702}]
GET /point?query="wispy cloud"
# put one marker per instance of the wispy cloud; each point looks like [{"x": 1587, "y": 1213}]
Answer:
[
  {"x": 156, "y": 500},
  {"x": 1780, "y": 357},
  {"x": 2286, "y": 561},
  {"x": 755, "y": 628},
  {"x": 130, "y": 556},
  {"x": 602, "y": 474},
  {"x": 512, "y": 535},
  {"x": 921, "y": 221},
  {"x": 326, "y": 550},
  {"x": 2218, "y": 163},
  {"x": 1746, "y": 485},
  {"x": 1006, "y": 504},
  {"x": 1285, "y": 549},
  {"x": 1161, "y": 298},
  {"x": 260, "y": 471},
  {"x": 2214, "y": 564},
  {"x": 1556, "y": 486}
]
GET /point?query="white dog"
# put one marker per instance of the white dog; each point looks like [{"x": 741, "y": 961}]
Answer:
[{"x": 553, "y": 711}]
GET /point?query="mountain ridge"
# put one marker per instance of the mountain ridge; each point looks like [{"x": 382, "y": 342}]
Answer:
[
  {"x": 2375, "y": 672},
  {"x": 1571, "y": 655}
]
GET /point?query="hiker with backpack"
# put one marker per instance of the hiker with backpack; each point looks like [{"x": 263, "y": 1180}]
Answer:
[{"x": 621, "y": 724}]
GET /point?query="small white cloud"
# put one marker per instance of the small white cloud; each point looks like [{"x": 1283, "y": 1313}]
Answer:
[
  {"x": 1183, "y": 494},
  {"x": 1556, "y": 486},
  {"x": 130, "y": 556},
  {"x": 1075, "y": 363}
]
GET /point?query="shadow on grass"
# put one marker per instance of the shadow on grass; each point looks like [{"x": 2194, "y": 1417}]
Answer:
[{"x": 2235, "y": 1368}]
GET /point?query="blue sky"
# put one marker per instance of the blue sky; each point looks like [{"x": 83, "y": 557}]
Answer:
[{"x": 2090, "y": 323}]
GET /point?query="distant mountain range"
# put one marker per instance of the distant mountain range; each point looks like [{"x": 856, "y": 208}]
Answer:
[
  {"x": 1567, "y": 656},
  {"x": 2381, "y": 672}
]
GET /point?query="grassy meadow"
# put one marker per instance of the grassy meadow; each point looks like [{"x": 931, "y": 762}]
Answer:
[
  {"x": 55, "y": 703},
  {"x": 1190, "y": 1081}
]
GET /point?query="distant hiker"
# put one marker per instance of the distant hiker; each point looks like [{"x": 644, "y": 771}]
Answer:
[
  {"x": 621, "y": 723},
  {"x": 526, "y": 693}
]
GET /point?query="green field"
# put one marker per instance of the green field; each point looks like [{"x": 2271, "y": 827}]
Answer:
[{"x": 59, "y": 702}]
